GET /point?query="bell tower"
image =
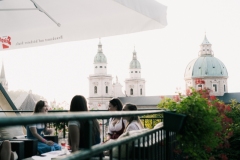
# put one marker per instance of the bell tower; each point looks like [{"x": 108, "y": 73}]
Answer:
[
  {"x": 135, "y": 85},
  {"x": 100, "y": 83}
]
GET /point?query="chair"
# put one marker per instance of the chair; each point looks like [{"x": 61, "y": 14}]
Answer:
[
  {"x": 18, "y": 147},
  {"x": 23, "y": 146},
  {"x": 30, "y": 145}
]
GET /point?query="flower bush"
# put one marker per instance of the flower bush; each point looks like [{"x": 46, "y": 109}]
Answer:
[
  {"x": 233, "y": 152},
  {"x": 207, "y": 128}
]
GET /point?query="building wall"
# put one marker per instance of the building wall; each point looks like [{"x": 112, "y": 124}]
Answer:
[
  {"x": 209, "y": 83},
  {"x": 135, "y": 85},
  {"x": 100, "y": 91}
]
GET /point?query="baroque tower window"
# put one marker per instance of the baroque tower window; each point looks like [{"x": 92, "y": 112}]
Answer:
[
  {"x": 95, "y": 89},
  {"x": 131, "y": 91},
  {"x": 214, "y": 87},
  {"x": 200, "y": 86},
  {"x": 106, "y": 89}
]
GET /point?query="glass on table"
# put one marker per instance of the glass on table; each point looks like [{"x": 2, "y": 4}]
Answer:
[{"x": 63, "y": 143}]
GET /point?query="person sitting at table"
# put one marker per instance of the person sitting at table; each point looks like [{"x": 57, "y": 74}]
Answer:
[
  {"x": 35, "y": 131},
  {"x": 133, "y": 122},
  {"x": 77, "y": 129},
  {"x": 5, "y": 150},
  {"x": 116, "y": 124}
]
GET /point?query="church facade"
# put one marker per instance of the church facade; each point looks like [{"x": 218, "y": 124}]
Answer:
[{"x": 101, "y": 85}]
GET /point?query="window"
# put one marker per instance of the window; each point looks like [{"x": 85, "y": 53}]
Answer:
[
  {"x": 135, "y": 71},
  {"x": 95, "y": 89},
  {"x": 214, "y": 87},
  {"x": 131, "y": 91},
  {"x": 200, "y": 86},
  {"x": 131, "y": 71},
  {"x": 96, "y": 67},
  {"x": 224, "y": 88},
  {"x": 105, "y": 67},
  {"x": 141, "y": 91},
  {"x": 106, "y": 89},
  {"x": 100, "y": 66}
]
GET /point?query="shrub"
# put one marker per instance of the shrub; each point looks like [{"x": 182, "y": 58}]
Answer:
[
  {"x": 150, "y": 121},
  {"x": 207, "y": 126}
]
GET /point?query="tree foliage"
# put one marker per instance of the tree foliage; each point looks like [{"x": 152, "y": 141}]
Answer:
[
  {"x": 150, "y": 121},
  {"x": 207, "y": 127}
]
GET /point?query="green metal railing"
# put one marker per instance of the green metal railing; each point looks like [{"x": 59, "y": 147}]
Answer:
[
  {"x": 103, "y": 122},
  {"x": 156, "y": 145}
]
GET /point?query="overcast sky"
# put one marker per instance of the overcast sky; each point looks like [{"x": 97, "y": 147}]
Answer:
[{"x": 61, "y": 71}]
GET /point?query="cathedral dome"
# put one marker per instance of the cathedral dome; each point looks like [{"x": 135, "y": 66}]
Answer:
[
  {"x": 100, "y": 57},
  {"x": 135, "y": 64},
  {"x": 206, "y": 65}
]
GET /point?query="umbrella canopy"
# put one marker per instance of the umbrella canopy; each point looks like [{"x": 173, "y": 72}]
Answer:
[{"x": 29, "y": 23}]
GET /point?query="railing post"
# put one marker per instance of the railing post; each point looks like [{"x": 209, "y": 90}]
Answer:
[
  {"x": 64, "y": 130},
  {"x": 103, "y": 130},
  {"x": 167, "y": 145},
  {"x": 89, "y": 134}
]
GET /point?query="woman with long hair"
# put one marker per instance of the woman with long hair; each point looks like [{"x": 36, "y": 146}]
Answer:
[
  {"x": 77, "y": 129},
  {"x": 116, "y": 124},
  {"x": 37, "y": 131},
  {"x": 134, "y": 122}
]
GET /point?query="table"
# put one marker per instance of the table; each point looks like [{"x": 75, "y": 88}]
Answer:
[{"x": 48, "y": 155}]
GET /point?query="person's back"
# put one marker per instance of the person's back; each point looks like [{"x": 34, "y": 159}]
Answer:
[
  {"x": 77, "y": 129},
  {"x": 95, "y": 135}
]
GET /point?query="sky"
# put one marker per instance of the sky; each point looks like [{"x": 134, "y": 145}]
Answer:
[{"x": 60, "y": 71}]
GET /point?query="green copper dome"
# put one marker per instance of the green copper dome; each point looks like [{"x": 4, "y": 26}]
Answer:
[
  {"x": 135, "y": 64},
  {"x": 100, "y": 57},
  {"x": 206, "y": 65}
]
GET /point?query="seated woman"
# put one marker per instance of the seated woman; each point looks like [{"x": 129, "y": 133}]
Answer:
[
  {"x": 77, "y": 129},
  {"x": 116, "y": 124},
  {"x": 134, "y": 122},
  {"x": 5, "y": 150},
  {"x": 37, "y": 130}
]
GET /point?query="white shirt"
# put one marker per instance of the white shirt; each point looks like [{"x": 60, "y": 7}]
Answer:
[
  {"x": 134, "y": 125},
  {"x": 38, "y": 126},
  {"x": 74, "y": 123}
]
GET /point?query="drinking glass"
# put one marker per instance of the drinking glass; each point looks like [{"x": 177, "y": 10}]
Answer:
[{"x": 63, "y": 144}]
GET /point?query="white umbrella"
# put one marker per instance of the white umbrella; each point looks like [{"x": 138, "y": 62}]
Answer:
[{"x": 29, "y": 23}]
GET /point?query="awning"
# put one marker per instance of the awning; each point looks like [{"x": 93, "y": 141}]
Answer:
[{"x": 29, "y": 23}]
